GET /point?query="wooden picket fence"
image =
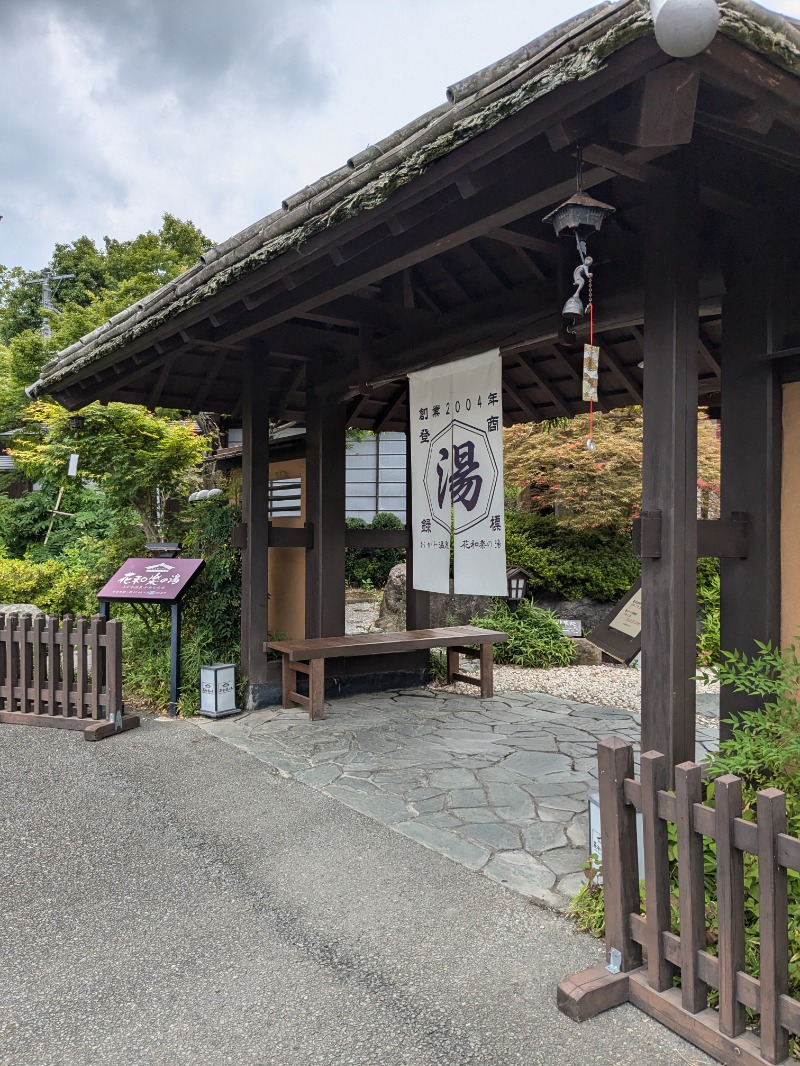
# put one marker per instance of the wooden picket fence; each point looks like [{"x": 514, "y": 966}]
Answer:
[
  {"x": 66, "y": 674},
  {"x": 650, "y": 986}
]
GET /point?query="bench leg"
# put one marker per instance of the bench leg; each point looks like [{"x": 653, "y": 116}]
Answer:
[
  {"x": 452, "y": 664},
  {"x": 288, "y": 682},
  {"x": 487, "y": 671},
  {"x": 316, "y": 690}
]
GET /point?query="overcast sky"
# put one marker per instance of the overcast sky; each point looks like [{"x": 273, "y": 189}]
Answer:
[{"x": 115, "y": 111}]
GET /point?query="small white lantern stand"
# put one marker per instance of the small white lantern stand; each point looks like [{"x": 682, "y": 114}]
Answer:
[{"x": 218, "y": 690}]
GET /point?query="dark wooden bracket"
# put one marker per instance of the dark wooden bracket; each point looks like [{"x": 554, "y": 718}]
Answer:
[
  {"x": 377, "y": 538},
  {"x": 646, "y": 535},
  {"x": 721, "y": 538},
  {"x": 291, "y": 536},
  {"x": 278, "y": 537},
  {"x": 724, "y": 538}
]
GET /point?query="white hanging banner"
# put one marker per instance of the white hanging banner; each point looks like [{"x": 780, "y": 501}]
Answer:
[{"x": 457, "y": 474}]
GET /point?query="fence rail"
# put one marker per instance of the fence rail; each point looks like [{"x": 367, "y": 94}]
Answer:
[
  {"x": 650, "y": 985},
  {"x": 66, "y": 674}
]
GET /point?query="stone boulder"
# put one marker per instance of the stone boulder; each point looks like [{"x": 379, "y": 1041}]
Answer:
[
  {"x": 20, "y": 608},
  {"x": 590, "y": 613},
  {"x": 585, "y": 653},
  {"x": 392, "y": 615},
  {"x": 446, "y": 610}
]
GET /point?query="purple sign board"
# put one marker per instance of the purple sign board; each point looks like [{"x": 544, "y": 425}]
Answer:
[{"x": 162, "y": 580}]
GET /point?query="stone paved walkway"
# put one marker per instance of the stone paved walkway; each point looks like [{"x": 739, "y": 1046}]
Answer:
[{"x": 497, "y": 785}]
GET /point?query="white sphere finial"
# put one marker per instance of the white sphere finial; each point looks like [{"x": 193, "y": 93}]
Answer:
[{"x": 685, "y": 27}]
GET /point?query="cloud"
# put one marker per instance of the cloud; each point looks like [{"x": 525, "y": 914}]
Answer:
[{"x": 184, "y": 47}]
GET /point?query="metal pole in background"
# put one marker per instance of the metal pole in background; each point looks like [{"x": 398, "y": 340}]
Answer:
[{"x": 174, "y": 658}]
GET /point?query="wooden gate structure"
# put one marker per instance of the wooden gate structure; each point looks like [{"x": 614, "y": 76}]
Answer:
[
  {"x": 685, "y": 1010},
  {"x": 432, "y": 245},
  {"x": 66, "y": 674}
]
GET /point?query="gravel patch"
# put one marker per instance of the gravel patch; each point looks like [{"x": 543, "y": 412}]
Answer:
[{"x": 607, "y": 685}]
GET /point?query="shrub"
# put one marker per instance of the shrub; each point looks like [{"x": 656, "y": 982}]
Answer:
[
  {"x": 369, "y": 567},
  {"x": 570, "y": 563},
  {"x": 708, "y": 650},
  {"x": 535, "y": 637},
  {"x": 50, "y": 585}
]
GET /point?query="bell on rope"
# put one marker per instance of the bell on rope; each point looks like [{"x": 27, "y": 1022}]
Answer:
[{"x": 573, "y": 308}]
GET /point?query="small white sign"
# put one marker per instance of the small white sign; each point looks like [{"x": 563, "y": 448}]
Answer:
[
  {"x": 629, "y": 619},
  {"x": 72, "y": 469},
  {"x": 571, "y": 627}
]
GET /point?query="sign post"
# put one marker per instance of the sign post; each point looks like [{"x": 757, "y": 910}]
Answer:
[{"x": 155, "y": 581}]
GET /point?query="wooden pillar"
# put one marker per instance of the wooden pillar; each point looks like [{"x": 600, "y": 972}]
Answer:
[
  {"x": 418, "y": 604},
  {"x": 751, "y": 448},
  {"x": 255, "y": 516},
  {"x": 669, "y": 468},
  {"x": 325, "y": 509}
]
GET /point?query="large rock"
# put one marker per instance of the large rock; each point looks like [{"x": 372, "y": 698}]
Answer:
[
  {"x": 586, "y": 653},
  {"x": 446, "y": 610},
  {"x": 392, "y": 615},
  {"x": 590, "y": 613},
  {"x": 20, "y": 608},
  {"x": 453, "y": 610}
]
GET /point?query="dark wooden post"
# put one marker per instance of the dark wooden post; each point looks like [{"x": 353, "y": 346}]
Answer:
[
  {"x": 620, "y": 850},
  {"x": 418, "y": 604},
  {"x": 325, "y": 509},
  {"x": 655, "y": 774},
  {"x": 255, "y": 518},
  {"x": 669, "y": 467},
  {"x": 751, "y": 452},
  {"x": 773, "y": 923}
]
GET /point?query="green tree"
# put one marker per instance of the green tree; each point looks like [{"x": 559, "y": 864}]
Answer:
[{"x": 128, "y": 452}]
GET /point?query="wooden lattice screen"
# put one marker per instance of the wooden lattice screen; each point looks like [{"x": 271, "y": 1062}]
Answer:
[
  {"x": 723, "y": 1033},
  {"x": 66, "y": 674}
]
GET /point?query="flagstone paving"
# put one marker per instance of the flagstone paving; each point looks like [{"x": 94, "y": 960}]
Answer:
[{"x": 497, "y": 785}]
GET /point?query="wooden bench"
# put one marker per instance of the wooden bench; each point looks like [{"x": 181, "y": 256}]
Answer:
[{"x": 308, "y": 657}]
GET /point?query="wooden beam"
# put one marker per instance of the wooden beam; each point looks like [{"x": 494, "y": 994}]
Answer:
[
  {"x": 663, "y": 108},
  {"x": 669, "y": 468},
  {"x": 158, "y": 388},
  {"x": 533, "y": 413},
  {"x": 393, "y": 407},
  {"x": 291, "y": 388},
  {"x": 486, "y": 261},
  {"x": 210, "y": 378},
  {"x": 556, "y": 400},
  {"x": 621, "y": 372},
  {"x": 507, "y": 235}
]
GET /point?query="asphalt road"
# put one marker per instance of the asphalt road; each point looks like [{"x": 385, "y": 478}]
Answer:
[{"x": 165, "y": 898}]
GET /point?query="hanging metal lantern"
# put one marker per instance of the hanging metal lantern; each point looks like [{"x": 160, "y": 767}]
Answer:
[
  {"x": 579, "y": 215},
  {"x": 76, "y": 423}
]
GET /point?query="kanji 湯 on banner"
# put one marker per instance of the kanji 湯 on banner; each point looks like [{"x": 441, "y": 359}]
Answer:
[{"x": 457, "y": 476}]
